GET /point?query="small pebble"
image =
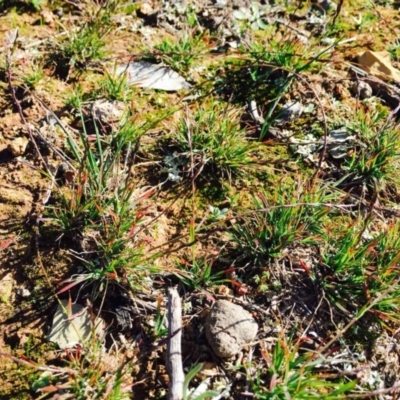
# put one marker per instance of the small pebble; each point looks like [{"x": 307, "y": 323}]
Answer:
[
  {"x": 145, "y": 10},
  {"x": 362, "y": 90},
  {"x": 23, "y": 292},
  {"x": 18, "y": 146},
  {"x": 108, "y": 112}
]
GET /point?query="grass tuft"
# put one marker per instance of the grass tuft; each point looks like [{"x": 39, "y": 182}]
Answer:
[
  {"x": 358, "y": 268},
  {"x": 86, "y": 42},
  {"x": 100, "y": 209},
  {"x": 294, "y": 374},
  {"x": 287, "y": 216},
  {"x": 211, "y": 139}
]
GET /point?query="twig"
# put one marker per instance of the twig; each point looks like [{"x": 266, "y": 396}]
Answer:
[
  {"x": 376, "y": 392},
  {"x": 19, "y": 108},
  {"x": 342, "y": 207},
  {"x": 33, "y": 364},
  {"x": 174, "y": 353},
  {"x": 337, "y": 12},
  {"x": 59, "y": 153}
]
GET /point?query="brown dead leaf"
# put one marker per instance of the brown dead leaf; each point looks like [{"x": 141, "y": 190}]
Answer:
[
  {"x": 209, "y": 369},
  {"x": 49, "y": 389},
  {"x": 379, "y": 64}
]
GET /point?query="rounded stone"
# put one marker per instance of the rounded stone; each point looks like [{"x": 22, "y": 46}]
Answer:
[
  {"x": 108, "y": 112},
  {"x": 362, "y": 89},
  {"x": 229, "y": 327}
]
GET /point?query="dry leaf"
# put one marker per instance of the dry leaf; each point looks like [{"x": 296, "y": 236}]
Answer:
[
  {"x": 152, "y": 76},
  {"x": 72, "y": 325},
  {"x": 379, "y": 64}
]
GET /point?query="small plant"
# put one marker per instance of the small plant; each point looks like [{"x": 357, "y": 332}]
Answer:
[
  {"x": 33, "y": 76},
  {"x": 114, "y": 87},
  {"x": 88, "y": 375},
  {"x": 74, "y": 98},
  {"x": 372, "y": 162},
  {"x": 217, "y": 214},
  {"x": 394, "y": 50},
  {"x": 199, "y": 274},
  {"x": 86, "y": 42},
  {"x": 294, "y": 375},
  {"x": 253, "y": 15},
  {"x": 266, "y": 72},
  {"x": 289, "y": 54},
  {"x": 291, "y": 216},
  {"x": 356, "y": 271},
  {"x": 181, "y": 54},
  {"x": 213, "y": 139},
  {"x": 100, "y": 210},
  {"x": 365, "y": 20}
]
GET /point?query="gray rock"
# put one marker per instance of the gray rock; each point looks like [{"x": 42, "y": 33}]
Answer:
[
  {"x": 108, "y": 112},
  {"x": 229, "y": 327},
  {"x": 362, "y": 90}
]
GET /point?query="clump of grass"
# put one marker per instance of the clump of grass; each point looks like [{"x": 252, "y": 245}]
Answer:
[
  {"x": 100, "y": 209},
  {"x": 286, "y": 216},
  {"x": 212, "y": 138},
  {"x": 114, "y": 87},
  {"x": 199, "y": 274},
  {"x": 74, "y": 98},
  {"x": 356, "y": 271},
  {"x": 86, "y": 42},
  {"x": 180, "y": 54},
  {"x": 266, "y": 72},
  {"x": 294, "y": 374},
  {"x": 33, "y": 75},
  {"x": 288, "y": 53},
  {"x": 373, "y": 161}
]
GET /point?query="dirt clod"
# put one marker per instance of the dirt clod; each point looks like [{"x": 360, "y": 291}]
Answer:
[
  {"x": 229, "y": 327},
  {"x": 18, "y": 146}
]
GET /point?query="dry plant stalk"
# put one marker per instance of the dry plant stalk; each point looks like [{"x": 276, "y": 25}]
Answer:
[{"x": 174, "y": 353}]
